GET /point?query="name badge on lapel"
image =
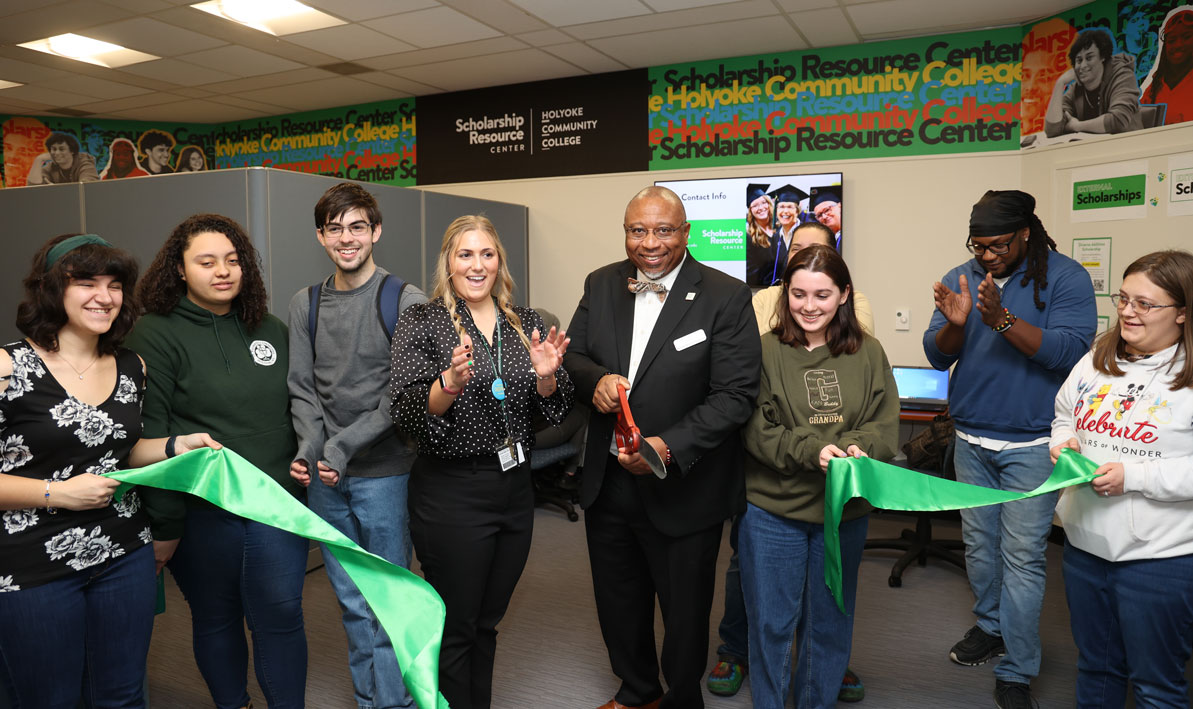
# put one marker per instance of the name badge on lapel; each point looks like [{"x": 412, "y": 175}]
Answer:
[{"x": 692, "y": 338}]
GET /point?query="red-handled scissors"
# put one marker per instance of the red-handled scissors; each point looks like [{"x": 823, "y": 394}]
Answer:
[{"x": 629, "y": 437}]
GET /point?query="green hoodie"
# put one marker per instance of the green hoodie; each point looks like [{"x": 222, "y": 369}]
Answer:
[
  {"x": 206, "y": 373},
  {"x": 807, "y": 400}
]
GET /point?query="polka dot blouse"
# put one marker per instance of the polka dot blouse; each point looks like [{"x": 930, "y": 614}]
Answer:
[{"x": 474, "y": 424}]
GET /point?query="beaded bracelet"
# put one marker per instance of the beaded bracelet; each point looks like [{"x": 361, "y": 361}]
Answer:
[
  {"x": 1007, "y": 321},
  {"x": 667, "y": 461},
  {"x": 51, "y": 510}
]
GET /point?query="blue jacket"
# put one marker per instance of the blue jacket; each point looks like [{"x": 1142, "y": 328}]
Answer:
[{"x": 997, "y": 391}]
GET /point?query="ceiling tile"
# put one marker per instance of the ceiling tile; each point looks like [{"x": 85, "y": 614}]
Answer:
[
  {"x": 688, "y": 44},
  {"x": 679, "y": 18},
  {"x": 544, "y": 38},
  {"x": 397, "y": 83},
  {"x": 328, "y": 93},
  {"x": 504, "y": 16},
  {"x": 42, "y": 94},
  {"x": 24, "y": 72},
  {"x": 825, "y": 28},
  {"x": 492, "y": 70},
  {"x": 98, "y": 88},
  {"x": 669, "y": 5},
  {"x": 191, "y": 92},
  {"x": 178, "y": 72},
  {"x": 140, "y": 6},
  {"x": 560, "y": 14},
  {"x": 585, "y": 57},
  {"x": 193, "y": 111},
  {"x": 48, "y": 20},
  {"x": 801, "y": 5},
  {"x": 434, "y": 27},
  {"x": 925, "y": 16},
  {"x": 18, "y": 106},
  {"x": 443, "y": 54},
  {"x": 123, "y": 104},
  {"x": 357, "y": 10},
  {"x": 243, "y": 102},
  {"x": 267, "y": 81},
  {"x": 240, "y": 61},
  {"x": 148, "y": 35},
  {"x": 350, "y": 42}
]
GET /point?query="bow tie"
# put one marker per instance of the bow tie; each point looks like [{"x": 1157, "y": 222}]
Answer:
[{"x": 637, "y": 286}]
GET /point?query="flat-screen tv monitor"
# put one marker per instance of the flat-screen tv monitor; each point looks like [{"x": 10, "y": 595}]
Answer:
[{"x": 742, "y": 225}]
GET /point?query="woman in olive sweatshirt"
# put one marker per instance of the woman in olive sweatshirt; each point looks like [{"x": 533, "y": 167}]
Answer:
[
  {"x": 826, "y": 392},
  {"x": 216, "y": 356}
]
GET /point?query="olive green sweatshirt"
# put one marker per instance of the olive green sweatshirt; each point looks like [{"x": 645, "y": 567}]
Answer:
[
  {"x": 207, "y": 372},
  {"x": 807, "y": 400}
]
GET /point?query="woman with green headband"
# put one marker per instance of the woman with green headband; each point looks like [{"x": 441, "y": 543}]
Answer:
[{"x": 77, "y": 588}]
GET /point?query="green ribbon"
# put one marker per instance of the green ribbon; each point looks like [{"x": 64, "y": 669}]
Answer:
[
  {"x": 405, "y": 605},
  {"x": 893, "y": 488}
]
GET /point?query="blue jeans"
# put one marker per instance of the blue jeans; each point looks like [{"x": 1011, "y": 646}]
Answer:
[
  {"x": 1004, "y": 550},
  {"x": 734, "y": 629},
  {"x": 1131, "y": 620},
  {"x": 782, "y": 572},
  {"x": 371, "y": 512},
  {"x": 234, "y": 571},
  {"x": 82, "y": 639}
]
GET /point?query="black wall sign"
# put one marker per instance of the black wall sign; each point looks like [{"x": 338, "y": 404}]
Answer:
[{"x": 572, "y": 126}]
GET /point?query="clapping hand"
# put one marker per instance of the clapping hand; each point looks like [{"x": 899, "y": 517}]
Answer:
[
  {"x": 546, "y": 354},
  {"x": 954, "y": 307}
]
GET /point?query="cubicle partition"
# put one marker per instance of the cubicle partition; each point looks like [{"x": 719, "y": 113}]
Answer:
[{"x": 276, "y": 207}]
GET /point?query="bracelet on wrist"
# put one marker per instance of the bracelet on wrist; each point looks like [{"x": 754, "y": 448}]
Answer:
[
  {"x": 1008, "y": 319},
  {"x": 544, "y": 377},
  {"x": 170, "y": 443},
  {"x": 667, "y": 460},
  {"x": 51, "y": 510}
]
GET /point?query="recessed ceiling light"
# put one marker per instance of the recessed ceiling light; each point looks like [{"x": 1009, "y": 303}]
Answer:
[
  {"x": 86, "y": 49},
  {"x": 8, "y": 84},
  {"x": 277, "y": 17}
]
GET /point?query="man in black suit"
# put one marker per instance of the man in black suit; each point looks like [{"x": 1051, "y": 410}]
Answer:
[{"x": 681, "y": 338}]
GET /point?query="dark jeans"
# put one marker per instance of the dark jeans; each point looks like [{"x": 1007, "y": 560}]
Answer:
[
  {"x": 232, "y": 570},
  {"x": 734, "y": 628},
  {"x": 471, "y": 524},
  {"x": 81, "y": 639},
  {"x": 1131, "y": 620}
]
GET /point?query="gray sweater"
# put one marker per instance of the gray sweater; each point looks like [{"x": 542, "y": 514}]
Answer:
[{"x": 338, "y": 400}]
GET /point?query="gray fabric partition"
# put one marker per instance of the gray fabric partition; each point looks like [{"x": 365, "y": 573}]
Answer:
[{"x": 275, "y": 206}]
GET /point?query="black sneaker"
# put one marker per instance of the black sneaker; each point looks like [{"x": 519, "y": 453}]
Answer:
[
  {"x": 977, "y": 647},
  {"x": 1013, "y": 695}
]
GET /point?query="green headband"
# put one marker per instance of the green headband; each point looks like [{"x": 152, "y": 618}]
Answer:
[{"x": 65, "y": 246}]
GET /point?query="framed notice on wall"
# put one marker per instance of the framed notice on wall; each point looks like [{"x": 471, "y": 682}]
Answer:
[{"x": 1094, "y": 256}]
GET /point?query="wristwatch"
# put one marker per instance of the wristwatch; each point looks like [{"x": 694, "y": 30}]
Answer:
[{"x": 443, "y": 385}]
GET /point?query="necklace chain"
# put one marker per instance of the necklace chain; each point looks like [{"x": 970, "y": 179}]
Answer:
[{"x": 76, "y": 370}]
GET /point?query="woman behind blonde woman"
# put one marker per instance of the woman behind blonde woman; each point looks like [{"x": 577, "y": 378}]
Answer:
[
  {"x": 469, "y": 408},
  {"x": 1128, "y": 561},
  {"x": 76, "y": 568}
]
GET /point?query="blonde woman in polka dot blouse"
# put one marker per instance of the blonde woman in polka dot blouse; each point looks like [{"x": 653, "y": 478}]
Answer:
[{"x": 469, "y": 370}]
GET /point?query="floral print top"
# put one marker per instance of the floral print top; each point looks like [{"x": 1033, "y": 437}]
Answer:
[{"x": 47, "y": 434}]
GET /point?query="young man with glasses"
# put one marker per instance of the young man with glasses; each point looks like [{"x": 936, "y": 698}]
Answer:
[
  {"x": 1014, "y": 320},
  {"x": 351, "y": 460}
]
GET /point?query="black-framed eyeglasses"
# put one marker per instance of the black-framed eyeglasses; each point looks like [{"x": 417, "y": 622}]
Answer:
[
  {"x": 1142, "y": 307},
  {"x": 999, "y": 249},
  {"x": 662, "y": 232},
  {"x": 335, "y": 231}
]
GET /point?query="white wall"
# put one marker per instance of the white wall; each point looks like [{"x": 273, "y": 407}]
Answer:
[{"x": 906, "y": 220}]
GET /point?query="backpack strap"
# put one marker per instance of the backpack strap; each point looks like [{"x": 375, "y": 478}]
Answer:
[
  {"x": 389, "y": 297},
  {"x": 313, "y": 293}
]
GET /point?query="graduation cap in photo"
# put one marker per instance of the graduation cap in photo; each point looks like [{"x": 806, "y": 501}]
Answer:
[
  {"x": 754, "y": 191},
  {"x": 820, "y": 195},
  {"x": 789, "y": 193}
]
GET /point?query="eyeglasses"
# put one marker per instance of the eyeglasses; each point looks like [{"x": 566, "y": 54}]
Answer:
[
  {"x": 996, "y": 249},
  {"x": 335, "y": 231},
  {"x": 1142, "y": 307},
  {"x": 662, "y": 232}
]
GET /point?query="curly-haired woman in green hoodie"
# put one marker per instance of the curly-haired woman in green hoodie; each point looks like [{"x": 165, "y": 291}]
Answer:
[{"x": 216, "y": 356}]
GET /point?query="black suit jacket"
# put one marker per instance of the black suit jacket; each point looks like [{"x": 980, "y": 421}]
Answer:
[{"x": 695, "y": 398}]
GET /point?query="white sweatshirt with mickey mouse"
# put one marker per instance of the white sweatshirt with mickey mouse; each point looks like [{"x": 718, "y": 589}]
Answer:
[{"x": 1135, "y": 419}]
